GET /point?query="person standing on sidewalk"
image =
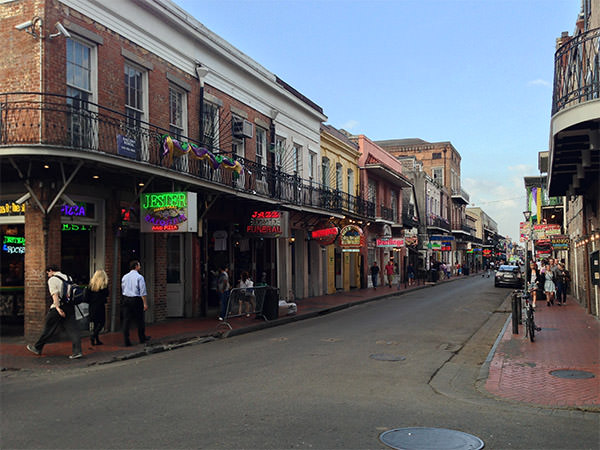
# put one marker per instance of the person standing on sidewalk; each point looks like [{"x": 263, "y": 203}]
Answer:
[
  {"x": 96, "y": 297},
  {"x": 410, "y": 274},
  {"x": 59, "y": 316},
  {"x": 389, "y": 272},
  {"x": 134, "y": 302},
  {"x": 374, "y": 274},
  {"x": 223, "y": 290},
  {"x": 565, "y": 278}
]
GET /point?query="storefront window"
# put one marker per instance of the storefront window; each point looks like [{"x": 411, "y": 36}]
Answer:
[{"x": 12, "y": 261}]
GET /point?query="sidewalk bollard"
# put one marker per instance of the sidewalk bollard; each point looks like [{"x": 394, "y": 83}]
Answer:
[{"x": 515, "y": 313}]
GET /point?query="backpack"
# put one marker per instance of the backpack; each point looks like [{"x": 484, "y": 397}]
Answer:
[{"x": 72, "y": 294}]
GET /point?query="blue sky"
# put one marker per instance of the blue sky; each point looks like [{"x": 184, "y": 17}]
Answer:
[{"x": 477, "y": 73}]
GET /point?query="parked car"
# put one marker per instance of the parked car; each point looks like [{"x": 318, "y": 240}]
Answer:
[{"x": 507, "y": 275}]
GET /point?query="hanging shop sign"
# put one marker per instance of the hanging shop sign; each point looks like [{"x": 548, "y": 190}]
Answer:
[
  {"x": 436, "y": 237},
  {"x": 325, "y": 236},
  {"x": 560, "y": 242},
  {"x": 127, "y": 146},
  {"x": 169, "y": 212},
  {"x": 351, "y": 238},
  {"x": 391, "y": 242},
  {"x": 411, "y": 241},
  {"x": 268, "y": 224},
  {"x": 487, "y": 252},
  {"x": 12, "y": 209},
  {"x": 545, "y": 230}
]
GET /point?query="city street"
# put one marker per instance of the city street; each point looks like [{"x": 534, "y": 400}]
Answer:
[{"x": 337, "y": 381}]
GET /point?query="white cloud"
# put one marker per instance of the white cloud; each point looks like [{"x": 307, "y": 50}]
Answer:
[
  {"x": 539, "y": 82},
  {"x": 349, "y": 125}
]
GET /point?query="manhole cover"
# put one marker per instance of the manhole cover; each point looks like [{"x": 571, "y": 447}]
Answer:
[
  {"x": 430, "y": 438},
  {"x": 574, "y": 374},
  {"x": 387, "y": 357}
]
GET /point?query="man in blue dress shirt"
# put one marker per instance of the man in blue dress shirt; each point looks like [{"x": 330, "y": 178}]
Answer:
[{"x": 134, "y": 302}]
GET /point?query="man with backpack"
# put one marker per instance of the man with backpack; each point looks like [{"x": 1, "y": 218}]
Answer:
[{"x": 61, "y": 315}]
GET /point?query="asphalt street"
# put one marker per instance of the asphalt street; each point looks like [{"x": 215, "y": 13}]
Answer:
[{"x": 337, "y": 381}]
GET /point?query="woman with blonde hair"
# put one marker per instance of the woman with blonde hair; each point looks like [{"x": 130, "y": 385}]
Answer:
[{"x": 96, "y": 297}]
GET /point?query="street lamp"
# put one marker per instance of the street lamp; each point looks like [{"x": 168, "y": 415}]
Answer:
[{"x": 527, "y": 215}]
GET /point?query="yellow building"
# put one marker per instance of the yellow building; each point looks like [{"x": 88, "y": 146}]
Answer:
[{"x": 340, "y": 174}]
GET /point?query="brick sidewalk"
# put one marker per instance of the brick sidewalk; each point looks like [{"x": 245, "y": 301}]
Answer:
[{"x": 520, "y": 369}]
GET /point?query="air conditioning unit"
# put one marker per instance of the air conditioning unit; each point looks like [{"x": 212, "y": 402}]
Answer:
[{"x": 242, "y": 128}]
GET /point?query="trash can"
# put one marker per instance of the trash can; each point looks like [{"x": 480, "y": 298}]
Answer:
[{"x": 270, "y": 309}]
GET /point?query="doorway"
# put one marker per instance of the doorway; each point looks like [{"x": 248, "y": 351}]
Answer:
[{"x": 175, "y": 280}]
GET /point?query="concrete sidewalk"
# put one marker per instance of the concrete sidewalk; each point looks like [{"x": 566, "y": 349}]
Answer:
[{"x": 516, "y": 370}]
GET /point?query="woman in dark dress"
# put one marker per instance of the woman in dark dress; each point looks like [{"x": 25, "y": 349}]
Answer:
[{"x": 97, "y": 295}]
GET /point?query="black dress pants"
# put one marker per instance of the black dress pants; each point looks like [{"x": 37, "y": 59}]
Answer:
[
  {"x": 133, "y": 310},
  {"x": 54, "y": 321}
]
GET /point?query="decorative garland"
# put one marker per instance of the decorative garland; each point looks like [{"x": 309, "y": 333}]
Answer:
[{"x": 174, "y": 148}]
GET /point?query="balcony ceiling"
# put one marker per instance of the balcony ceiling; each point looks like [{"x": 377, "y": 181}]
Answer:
[
  {"x": 566, "y": 159},
  {"x": 388, "y": 175}
]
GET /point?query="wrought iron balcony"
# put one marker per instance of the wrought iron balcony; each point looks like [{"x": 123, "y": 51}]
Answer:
[
  {"x": 41, "y": 119},
  {"x": 577, "y": 71},
  {"x": 434, "y": 221}
]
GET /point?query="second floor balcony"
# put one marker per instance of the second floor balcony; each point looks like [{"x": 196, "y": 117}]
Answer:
[
  {"x": 47, "y": 124},
  {"x": 434, "y": 221}
]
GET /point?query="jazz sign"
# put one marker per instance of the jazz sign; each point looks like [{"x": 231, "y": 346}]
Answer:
[{"x": 169, "y": 212}]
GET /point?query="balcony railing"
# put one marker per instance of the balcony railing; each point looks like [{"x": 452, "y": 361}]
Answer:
[
  {"x": 387, "y": 213},
  {"x": 577, "y": 71},
  {"x": 438, "y": 222},
  {"x": 28, "y": 118}
]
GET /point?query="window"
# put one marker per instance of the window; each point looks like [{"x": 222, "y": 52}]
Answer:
[
  {"x": 350, "y": 182},
  {"x": 261, "y": 144},
  {"x": 297, "y": 159},
  {"x": 338, "y": 177},
  {"x": 312, "y": 158},
  {"x": 372, "y": 194},
  {"x": 436, "y": 156},
  {"x": 394, "y": 200},
  {"x": 438, "y": 174},
  {"x": 279, "y": 149},
  {"x": 134, "y": 95},
  {"x": 177, "y": 112},
  {"x": 325, "y": 169},
  {"x": 80, "y": 93},
  {"x": 210, "y": 125},
  {"x": 135, "y": 104}
]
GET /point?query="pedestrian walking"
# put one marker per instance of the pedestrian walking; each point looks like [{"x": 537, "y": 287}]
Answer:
[
  {"x": 565, "y": 279},
  {"x": 410, "y": 273},
  {"x": 389, "y": 272},
  {"x": 223, "y": 290},
  {"x": 97, "y": 294},
  {"x": 534, "y": 278},
  {"x": 60, "y": 316},
  {"x": 549, "y": 286},
  {"x": 134, "y": 302},
  {"x": 374, "y": 274},
  {"x": 248, "y": 300}
]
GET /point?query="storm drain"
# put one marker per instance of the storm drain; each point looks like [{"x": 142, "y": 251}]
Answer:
[
  {"x": 430, "y": 439},
  {"x": 387, "y": 357},
  {"x": 573, "y": 374}
]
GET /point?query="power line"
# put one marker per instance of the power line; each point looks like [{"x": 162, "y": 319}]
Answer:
[{"x": 498, "y": 201}]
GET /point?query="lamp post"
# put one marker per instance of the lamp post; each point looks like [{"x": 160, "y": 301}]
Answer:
[{"x": 527, "y": 215}]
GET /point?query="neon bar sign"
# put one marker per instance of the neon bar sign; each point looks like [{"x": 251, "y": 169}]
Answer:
[
  {"x": 13, "y": 244},
  {"x": 268, "y": 223},
  {"x": 12, "y": 209},
  {"x": 73, "y": 211},
  {"x": 169, "y": 212}
]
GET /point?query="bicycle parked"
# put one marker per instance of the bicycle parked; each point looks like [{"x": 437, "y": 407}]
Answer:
[{"x": 528, "y": 310}]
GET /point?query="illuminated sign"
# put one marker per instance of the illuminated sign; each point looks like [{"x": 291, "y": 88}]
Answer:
[
  {"x": 411, "y": 241},
  {"x": 351, "y": 238},
  {"x": 13, "y": 244},
  {"x": 77, "y": 210},
  {"x": 487, "y": 252},
  {"x": 12, "y": 209},
  {"x": 272, "y": 224},
  {"x": 169, "y": 212},
  {"x": 560, "y": 242},
  {"x": 76, "y": 227},
  {"x": 326, "y": 236},
  {"x": 390, "y": 242}
]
